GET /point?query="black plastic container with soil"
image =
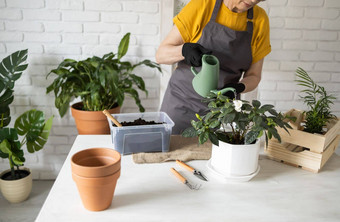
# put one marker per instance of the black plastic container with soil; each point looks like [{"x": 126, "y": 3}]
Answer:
[{"x": 138, "y": 122}]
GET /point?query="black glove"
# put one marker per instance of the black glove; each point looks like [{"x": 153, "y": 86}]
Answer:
[
  {"x": 193, "y": 53},
  {"x": 239, "y": 87}
]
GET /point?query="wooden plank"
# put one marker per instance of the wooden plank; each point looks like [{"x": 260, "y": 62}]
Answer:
[
  {"x": 307, "y": 160},
  {"x": 294, "y": 165},
  {"x": 333, "y": 130},
  {"x": 330, "y": 150},
  {"x": 315, "y": 142}
]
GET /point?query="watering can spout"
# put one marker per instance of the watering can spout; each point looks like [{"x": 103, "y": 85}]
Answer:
[{"x": 224, "y": 90}]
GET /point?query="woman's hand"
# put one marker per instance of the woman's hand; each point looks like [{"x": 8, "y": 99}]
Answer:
[
  {"x": 193, "y": 53},
  {"x": 252, "y": 76}
]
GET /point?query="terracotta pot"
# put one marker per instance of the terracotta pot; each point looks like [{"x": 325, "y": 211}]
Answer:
[
  {"x": 95, "y": 162},
  {"x": 16, "y": 191},
  {"x": 96, "y": 193},
  {"x": 96, "y": 172},
  {"x": 91, "y": 122}
]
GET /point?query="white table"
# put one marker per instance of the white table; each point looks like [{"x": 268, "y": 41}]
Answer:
[{"x": 150, "y": 192}]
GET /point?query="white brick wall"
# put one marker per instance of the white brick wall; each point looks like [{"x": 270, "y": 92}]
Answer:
[
  {"x": 53, "y": 30},
  {"x": 304, "y": 33}
]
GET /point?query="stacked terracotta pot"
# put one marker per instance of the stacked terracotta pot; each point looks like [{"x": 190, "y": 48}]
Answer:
[{"x": 96, "y": 172}]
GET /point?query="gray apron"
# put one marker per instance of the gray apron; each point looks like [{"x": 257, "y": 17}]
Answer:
[{"x": 232, "y": 48}]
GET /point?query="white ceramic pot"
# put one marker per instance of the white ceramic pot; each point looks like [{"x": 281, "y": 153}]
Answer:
[
  {"x": 16, "y": 191},
  {"x": 235, "y": 162}
]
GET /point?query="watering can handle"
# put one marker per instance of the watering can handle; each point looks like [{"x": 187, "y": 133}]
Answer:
[{"x": 194, "y": 71}]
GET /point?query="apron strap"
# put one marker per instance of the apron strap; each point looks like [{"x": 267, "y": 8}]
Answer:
[
  {"x": 216, "y": 9},
  {"x": 250, "y": 14}
]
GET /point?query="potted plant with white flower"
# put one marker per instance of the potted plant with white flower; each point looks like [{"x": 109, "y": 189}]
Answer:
[{"x": 234, "y": 128}]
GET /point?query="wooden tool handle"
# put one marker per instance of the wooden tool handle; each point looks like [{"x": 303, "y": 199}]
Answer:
[
  {"x": 178, "y": 175},
  {"x": 112, "y": 118},
  {"x": 185, "y": 166}
]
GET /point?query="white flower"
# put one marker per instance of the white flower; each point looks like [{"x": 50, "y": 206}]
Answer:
[{"x": 238, "y": 104}]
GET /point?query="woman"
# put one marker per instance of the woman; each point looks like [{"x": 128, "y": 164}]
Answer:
[{"x": 235, "y": 31}]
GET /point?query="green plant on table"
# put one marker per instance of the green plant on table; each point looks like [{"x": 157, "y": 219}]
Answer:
[
  {"x": 317, "y": 101},
  {"x": 31, "y": 125},
  {"x": 236, "y": 121},
  {"x": 101, "y": 83}
]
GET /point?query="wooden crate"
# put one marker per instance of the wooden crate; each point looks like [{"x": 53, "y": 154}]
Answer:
[
  {"x": 314, "y": 142},
  {"x": 296, "y": 155}
]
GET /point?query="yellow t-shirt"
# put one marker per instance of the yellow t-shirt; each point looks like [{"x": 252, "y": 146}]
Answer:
[{"x": 196, "y": 14}]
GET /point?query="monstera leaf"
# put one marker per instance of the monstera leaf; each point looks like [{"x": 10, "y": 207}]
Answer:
[
  {"x": 10, "y": 146},
  {"x": 11, "y": 69},
  {"x": 6, "y": 98},
  {"x": 39, "y": 142},
  {"x": 31, "y": 124}
]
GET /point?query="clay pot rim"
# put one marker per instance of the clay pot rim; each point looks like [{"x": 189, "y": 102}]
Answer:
[
  {"x": 73, "y": 107},
  {"x": 96, "y": 167}
]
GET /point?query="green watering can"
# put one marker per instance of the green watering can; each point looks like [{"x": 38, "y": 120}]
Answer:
[{"x": 206, "y": 80}]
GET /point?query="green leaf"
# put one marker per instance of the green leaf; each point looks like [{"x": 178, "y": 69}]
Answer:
[
  {"x": 256, "y": 103},
  {"x": 6, "y": 99},
  {"x": 251, "y": 136},
  {"x": 214, "y": 124},
  {"x": 208, "y": 116},
  {"x": 138, "y": 81},
  {"x": 213, "y": 138},
  {"x": 203, "y": 137},
  {"x": 273, "y": 112},
  {"x": 189, "y": 132},
  {"x": 12, "y": 67},
  {"x": 5, "y": 147},
  {"x": 266, "y": 108},
  {"x": 10, "y": 147},
  {"x": 273, "y": 132},
  {"x": 123, "y": 45},
  {"x": 247, "y": 107},
  {"x": 149, "y": 64},
  {"x": 229, "y": 118},
  {"x": 30, "y": 124},
  {"x": 135, "y": 95},
  {"x": 257, "y": 120},
  {"x": 40, "y": 141},
  {"x": 266, "y": 138}
]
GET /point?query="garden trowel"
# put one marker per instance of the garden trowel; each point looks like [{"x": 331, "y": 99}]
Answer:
[{"x": 195, "y": 172}]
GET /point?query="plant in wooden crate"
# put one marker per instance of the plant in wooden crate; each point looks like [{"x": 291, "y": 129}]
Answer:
[
  {"x": 318, "y": 102},
  {"x": 16, "y": 183},
  {"x": 234, "y": 127},
  {"x": 101, "y": 83},
  {"x": 314, "y": 136}
]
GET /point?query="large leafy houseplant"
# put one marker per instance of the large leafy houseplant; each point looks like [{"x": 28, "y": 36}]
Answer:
[
  {"x": 100, "y": 82},
  {"x": 318, "y": 102},
  {"x": 236, "y": 121},
  {"x": 31, "y": 126}
]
